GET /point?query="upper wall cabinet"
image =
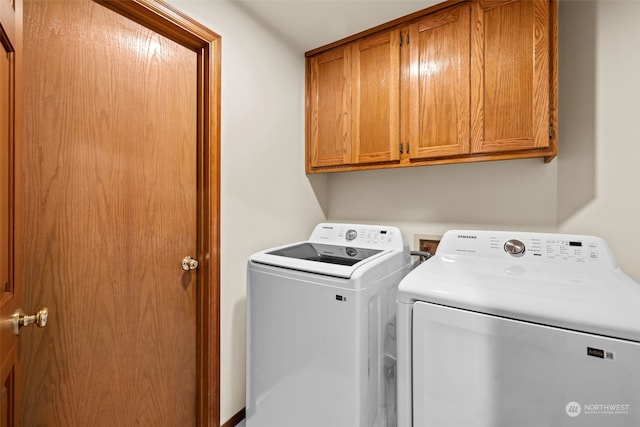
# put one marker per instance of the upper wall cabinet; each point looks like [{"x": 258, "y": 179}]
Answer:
[
  {"x": 437, "y": 87},
  {"x": 459, "y": 82},
  {"x": 510, "y": 75},
  {"x": 376, "y": 98},
  {"x": 328, "y": 119},
  {"x": 355, "y": 113}
]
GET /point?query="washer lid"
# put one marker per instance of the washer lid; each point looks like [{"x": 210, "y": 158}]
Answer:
[
  {"x": 336, "y": 250},
  {"x": 330, "y": 260},
  {"x": 592, "y": 297},
  {"x": 330, "y": 254}
]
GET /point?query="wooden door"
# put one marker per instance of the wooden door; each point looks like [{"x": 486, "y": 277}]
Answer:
[
  {"x": 329, "y": 108},
  {"x": 119, "y": 187},
  {"x": 438, "y": 84},
  {"x": 510, "y": 81},
  {"x": 10, "y": 218},
  {"x": 376, "y": 98}
]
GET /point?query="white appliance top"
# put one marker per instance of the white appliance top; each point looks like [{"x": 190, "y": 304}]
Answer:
[
  {"x": 335, "y": 249},
  {"x": 568, "y": 281}
]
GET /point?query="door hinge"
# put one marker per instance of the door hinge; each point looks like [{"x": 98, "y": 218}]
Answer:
[{"x": 551, "y": 132}]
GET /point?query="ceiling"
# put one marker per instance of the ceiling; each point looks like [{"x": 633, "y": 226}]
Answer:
[{"x": 308, "y": 24}]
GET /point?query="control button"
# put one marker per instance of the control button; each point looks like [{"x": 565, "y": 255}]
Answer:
[
  {"x": 514, "y": 247},
  {"x": 351, "y": 234}
]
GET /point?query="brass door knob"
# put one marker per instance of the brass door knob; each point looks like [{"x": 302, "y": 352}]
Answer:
[
  {"x": 189, "y": 263},
  {"x": 39, "y": 319}
]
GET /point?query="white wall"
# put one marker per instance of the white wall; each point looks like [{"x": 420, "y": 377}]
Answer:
[
  {"x": 590, "y": 188},
  {"x": 607, "y": 93},
  {"x": 266, "y": 198}
]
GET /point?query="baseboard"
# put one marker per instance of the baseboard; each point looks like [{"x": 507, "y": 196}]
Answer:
[{"x": 235, "y": 420}]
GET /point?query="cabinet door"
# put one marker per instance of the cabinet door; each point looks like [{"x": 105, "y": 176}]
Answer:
[
  {"x": 438, "y": 89},
  {"x": 329, "y": 108},
  {"x": 510, "y": 75},
  {"x": 376, "y": 98}
]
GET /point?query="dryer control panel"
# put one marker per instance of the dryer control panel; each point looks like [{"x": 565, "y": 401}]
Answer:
[
  {"x": 550, "y": 247},
  {"x": 577, "y": 250}
]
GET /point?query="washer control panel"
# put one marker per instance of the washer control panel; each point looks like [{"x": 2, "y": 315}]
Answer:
[
  {"x": 560, "y": 248},
  {"x": 351, "y": 234},
  {"x": 358, "y": 235}
]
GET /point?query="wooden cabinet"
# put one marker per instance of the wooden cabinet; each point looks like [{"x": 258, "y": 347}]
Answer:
[
  {"x": 510, "y": 75},
  {"x": 328, "y": 119},
  {"x": 376, "y": 98},
  {"x": 461, "y": 81},
  {"x": 438, "y": 84},
  {"x": 353, "y": 114}
]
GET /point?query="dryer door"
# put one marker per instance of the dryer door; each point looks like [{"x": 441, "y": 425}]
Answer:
[{"x": 472, "y": 369}]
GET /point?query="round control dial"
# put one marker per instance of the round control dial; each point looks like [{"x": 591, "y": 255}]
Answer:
[
  {"x": 514, "y": 247},
  {"x": 351, "y": 234}
]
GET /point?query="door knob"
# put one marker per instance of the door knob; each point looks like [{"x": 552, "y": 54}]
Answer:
[
  {"x": 189, "y": 263},
  {"x": 40, "y": 319}
]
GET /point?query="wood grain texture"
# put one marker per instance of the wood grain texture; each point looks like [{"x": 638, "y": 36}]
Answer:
[
  {"x": 111, "y": 209},
  {"x": 553, "y": 81},
  {"x": 376, "y": 98},
  {"x": 510, "y": 75},
  {"x": 330, "y": 108},
  {"x": 6, "y": 88},
  {"x": 11, "y": 49},
  {"x": 505, "y": 109},
  {"x": 166, "y": 20},
  {"x": 7, "y": 303},
  {"x": 439, "y": 84}
]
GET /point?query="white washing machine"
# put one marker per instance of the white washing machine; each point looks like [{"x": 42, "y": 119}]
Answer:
[
  {"x": 508, "y": 329},
  {"x": 321, "y": 329}
]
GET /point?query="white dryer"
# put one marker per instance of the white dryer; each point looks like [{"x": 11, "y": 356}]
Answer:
[
  {"x": 509, "y": 329},
  {"x": 321, "y": 329}
]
